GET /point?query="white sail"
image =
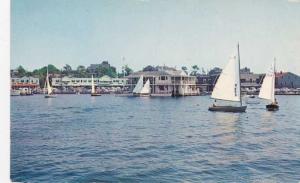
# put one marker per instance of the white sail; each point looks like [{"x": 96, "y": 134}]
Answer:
[
  {"x": 267, "y": 90},
  {"x": 228, "y": 84},
  {"x": 93, "y": 85},
  {"x": 146, "y": 89},
  {"x": 139, "y": 86},
  {"x": 49, "y": 89}
]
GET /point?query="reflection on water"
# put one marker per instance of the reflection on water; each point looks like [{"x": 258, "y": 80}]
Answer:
[
  {"x": 226, "y": 126},
  {"x": 79, "y": 138},
  {"x": 49, "y": 101}
]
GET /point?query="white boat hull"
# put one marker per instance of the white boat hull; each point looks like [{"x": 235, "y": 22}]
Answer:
[{"x": 161, "y": 95}]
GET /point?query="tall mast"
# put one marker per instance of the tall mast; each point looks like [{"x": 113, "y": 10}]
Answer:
[
  {"x": 274, "y": 65},
  {"x": 47, "y": 77},
  {"x": 274, "y": 73},
  {"x": 239, "y": 79}
]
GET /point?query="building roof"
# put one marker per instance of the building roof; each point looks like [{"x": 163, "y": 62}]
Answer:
[
  {"x": 158, "y": 73},
  {"x": 25, "y": 77}
]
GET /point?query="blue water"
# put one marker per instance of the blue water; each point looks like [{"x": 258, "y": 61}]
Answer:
[{"x": 78, "y": 138}]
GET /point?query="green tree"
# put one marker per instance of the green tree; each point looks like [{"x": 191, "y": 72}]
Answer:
[
  {"x": 195, "y": 70},
  {"x": 81, "y": 71},
  {"x": 42, "y": 72},
  {"x": 184, "y": 68},
  {"x": 67, "y": 69},
  {"x": 127, "y": 70},
  {"x": 52, "y": 69},
  {"x": 195, "y": 67},
  {"x": 21, "y": 71},
  {"x": 110, "y": 71}
]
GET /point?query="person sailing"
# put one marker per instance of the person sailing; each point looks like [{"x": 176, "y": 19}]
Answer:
[{"x": 214, "y": 104}]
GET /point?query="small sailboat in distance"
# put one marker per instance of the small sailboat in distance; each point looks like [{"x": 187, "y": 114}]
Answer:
[
  {"x": 267, "y": 90},
  {"x": 141, "y": 90},
  {"x": 50, "y": 93},
  {"x": 228, "y": 87},
  {"x": 93, "y": 93},
  {"x": 146, "y": 90}
]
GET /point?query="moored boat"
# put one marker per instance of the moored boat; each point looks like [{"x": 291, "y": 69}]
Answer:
[
  {"x": 161, "y": 94},
  {"x": 141, "y": 90},
  {"x": 15, "y": 93},
  {"x": 94, "y": 93},
  {"x": 50, "y": 93}
]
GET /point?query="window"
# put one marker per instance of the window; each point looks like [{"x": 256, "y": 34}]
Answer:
[{"x": 162, "y": 77}]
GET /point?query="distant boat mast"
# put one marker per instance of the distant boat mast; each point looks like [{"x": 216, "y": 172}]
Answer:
[{"x": 239, "y": 77}]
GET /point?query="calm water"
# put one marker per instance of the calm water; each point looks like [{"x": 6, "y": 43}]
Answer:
[{"x": 77, "y": 138}]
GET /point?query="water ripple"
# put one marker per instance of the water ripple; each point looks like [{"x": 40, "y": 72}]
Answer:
[{"x": 77, "y": 138}]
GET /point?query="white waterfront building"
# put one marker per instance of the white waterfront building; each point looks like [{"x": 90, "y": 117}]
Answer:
[
  {"x": 25, "y": 80},
  {"x": 104, "y": 81},
  {"x": 166, "y": 81}
]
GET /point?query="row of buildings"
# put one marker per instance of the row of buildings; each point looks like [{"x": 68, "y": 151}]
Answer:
[{"x": 163, "y": 80}]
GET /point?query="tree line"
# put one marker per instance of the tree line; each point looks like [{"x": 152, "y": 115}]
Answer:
[
  {"x": 193, "y": 71},
  {"x": 67, "y": 70}
]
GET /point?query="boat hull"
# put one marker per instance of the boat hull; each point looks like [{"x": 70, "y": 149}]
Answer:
[
  {"x": 161, "y": 95},
  {"x": 272, "y": 107},
  {"x": 95, "y": 94},
  {"x": 141, "y": 94},
  {"x": 228, "y": 109},
  {"x": 50, "y": 96},
  {"x": 15, "y": 93}
]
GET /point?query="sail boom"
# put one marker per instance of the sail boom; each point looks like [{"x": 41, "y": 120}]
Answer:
[{"x": 226, "y": 99}]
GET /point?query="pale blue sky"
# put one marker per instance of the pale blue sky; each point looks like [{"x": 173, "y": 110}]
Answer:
[{"x": 156, "y": 32}]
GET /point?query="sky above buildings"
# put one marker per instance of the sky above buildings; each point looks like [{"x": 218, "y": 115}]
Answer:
[{"x": 155, "y": 32}]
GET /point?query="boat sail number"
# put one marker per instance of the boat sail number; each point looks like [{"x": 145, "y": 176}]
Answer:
[{"x": 235, "y": 86}]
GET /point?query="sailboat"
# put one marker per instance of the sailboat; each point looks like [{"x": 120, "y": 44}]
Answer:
[
  {"x": 50, "y": 93},
  {"x": 93, "y": 93},
  {"x": 267, "y": 90},
  {"x": 146, "y": 90},
  {"x": 141, "y": 90},
  {"x": 228, "y": 87}
]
